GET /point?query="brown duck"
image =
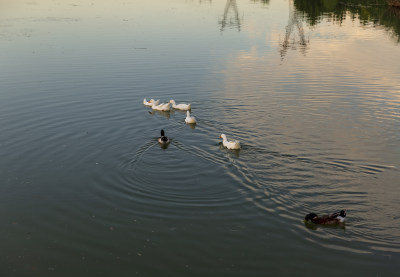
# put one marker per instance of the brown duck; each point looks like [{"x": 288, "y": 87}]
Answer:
[{"x": 335, "y": 218}]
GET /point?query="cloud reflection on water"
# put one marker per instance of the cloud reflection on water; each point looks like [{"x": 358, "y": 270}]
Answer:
[{"x": 340, "y": 66}]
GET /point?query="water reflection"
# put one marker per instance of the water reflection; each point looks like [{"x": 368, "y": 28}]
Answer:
[
  {"x": 289, "y": 40},
  {"x": 377, "y": 12},
  {"x": 164, "y": 146},
  {"x": 230, "y": 17},
  {"x": 166, "y": 114},
  {"x": 265, "y": 2},
  {"x": 231, "y": 152},
  {"x": 313, "y": 226},
  {"x": 317, "y": 132}
]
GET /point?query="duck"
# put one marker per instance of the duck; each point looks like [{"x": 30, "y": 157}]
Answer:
[
  {"x": 335, "y": 218},
  {"x": 184, "y": 107},
  {"x": 150, "y": 103},
  {"x": 161, "y": 107},
  {"x": 190, "y": 119},
  {"x": 229, "y": 144},
  {"x": 163, "y": 139}
]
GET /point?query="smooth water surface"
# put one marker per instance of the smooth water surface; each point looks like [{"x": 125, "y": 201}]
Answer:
[{"x": 310, "y": 88}]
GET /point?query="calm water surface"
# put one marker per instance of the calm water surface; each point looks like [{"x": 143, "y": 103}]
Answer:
[{"x": 310, "y": 88}]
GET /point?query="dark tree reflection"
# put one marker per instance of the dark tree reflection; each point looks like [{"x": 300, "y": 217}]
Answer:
[{"x": 377, "y": 12}]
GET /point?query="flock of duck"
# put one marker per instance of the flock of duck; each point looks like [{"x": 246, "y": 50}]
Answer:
[
  {"x": 155, "y": 105},
  {"x": 330, "y": 219}
]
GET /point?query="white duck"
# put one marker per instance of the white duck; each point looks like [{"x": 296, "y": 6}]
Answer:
[
  {"x": 230, "y": 144},
  {"x": 190, "y": 119},
  {"x": 183, "y": 107},
  {"x": 151, "y": 102},
  {"x": 162, "y": 107}
]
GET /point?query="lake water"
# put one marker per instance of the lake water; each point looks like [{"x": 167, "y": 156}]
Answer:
[{"x": 311, "y": 89}]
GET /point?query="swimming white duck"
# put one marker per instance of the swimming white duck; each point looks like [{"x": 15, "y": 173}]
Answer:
[
  {"x": 182, "y": 106},
  {"x": 162, "y": 107},
  {"x": 190, "y": 119},
  {"x": 163, "y": 139},
  {"x": 230, "y": 144},
  {"x": 151, "y": 102}
]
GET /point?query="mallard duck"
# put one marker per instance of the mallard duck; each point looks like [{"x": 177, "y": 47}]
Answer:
[
  {"x": 151, "y": 102},
  {"x": 161, "y": 107},
  {"x": 230, "y": 144},
  {"x": 163, "y": 139},
  {"x": 183, "y": 107},
  {"x": 335, "y": 218},
  {"x": 190, "y": 119}
]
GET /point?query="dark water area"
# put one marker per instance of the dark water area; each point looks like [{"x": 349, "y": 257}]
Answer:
[{"x": 310, "y": 89}]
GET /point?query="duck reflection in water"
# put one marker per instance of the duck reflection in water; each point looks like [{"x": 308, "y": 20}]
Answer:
[
  {"x": 193, "y": 126},
  {"x": 313, "y": 226},
  {"x": 335, "y": 220},
  {"x": 231, "y": 152},
  {"x": 164, "y": 114}
]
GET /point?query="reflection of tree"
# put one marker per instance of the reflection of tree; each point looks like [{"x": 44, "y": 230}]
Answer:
[
  {"x": 293, "y": 25},
  {"x": 367, "y": 11},
  {"x": 393, "y": 3},
  {"x": 231, "y": 16}
]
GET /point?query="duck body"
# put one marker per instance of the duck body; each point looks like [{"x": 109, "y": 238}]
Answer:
[
  {"x": 335, "y": 218},
  {"x": 163, "y": 139},
  {"x": 183, "y": 107},
  {"x": 190, "y": 119},
  {"x": 229, "y": 144},
  {"x": 150, "y": 102},
  {"x": 161, "y": 107}
]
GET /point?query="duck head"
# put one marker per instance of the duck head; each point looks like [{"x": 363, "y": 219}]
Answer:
[
  {"x": 310, "y": 216},
  {"x": 343, "y": 213},
  {"x": 162, "y": 133},
  {"x": 222, "y": 136}
]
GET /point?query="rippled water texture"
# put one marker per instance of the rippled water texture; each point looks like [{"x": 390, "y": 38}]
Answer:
[{"x": 310, "y": 88}]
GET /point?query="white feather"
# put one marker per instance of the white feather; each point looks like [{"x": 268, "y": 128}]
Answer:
[
  {"x": 182, "y": 106},
  {"x": 341, "y": 219},
  {"x": 161, "y": 107},
  {"x": 151, "y": 102},
  {"x": 190, "y": 119},
  {"x": 230, "y": 144}
]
